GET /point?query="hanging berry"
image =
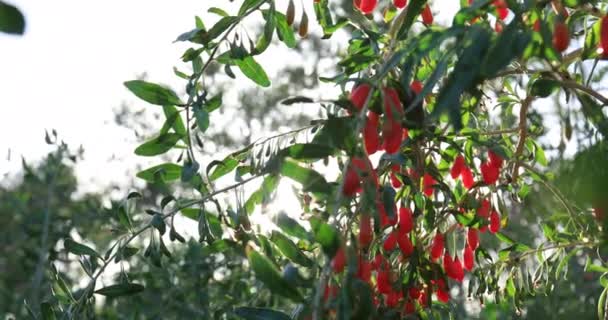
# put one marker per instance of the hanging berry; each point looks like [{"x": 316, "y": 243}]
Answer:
[
  {"x": 467, "y": 177},
  {"x": 339, "y": 261},
  {"x": 406, "y": 220},
  {"x": 400, "y": 3},
  {"x": 395, "y": 182},
  {"x": 561, "y": 36},
  {"x": 358, "y": 95},
  {"x": 365, "y": 6},
  {"x": 502, "y": 9},
  {"x": 437, "y": 247},
  {"x": 494, "y": 222},
  {"x": 467, "y": 258},
  {"x": 489, "y": 173},
  {"x": 405, "y": 244},
  {"x": 604, "y": 35},
  {"x": 370, "y": 133},
  {"x": 457, "y": 167},
  {"x": 365, "y": 231},
  {"x": 390, "y": 242},
  {"x": 427, "y": 15},
  {"x": 472, "y": 238},
  {"x": 428, "y": 183}
]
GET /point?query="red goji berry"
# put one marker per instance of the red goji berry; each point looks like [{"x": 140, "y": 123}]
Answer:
[
  {"x": 604, "y": 35},
  {"x": 339, "y": 261},
  {"x": 370, "y": 133},
  {"x": 467, "y": 257},
  {"x": 400, "y": 3},
  {"x": 365, "y": 231},
  {"x": 467, "y": 177},
  {"x": 427, "y": 15},
  {"x": 489, "y": 173},
  {"x": 359, "y": 95},
  {"x": 561, "y": 36},
  {"x": 456, "y": 170},
  {"x": 494, "y": 222},
  {"x": 473, "y": 238},
  {"x": 437, "y": 247}
]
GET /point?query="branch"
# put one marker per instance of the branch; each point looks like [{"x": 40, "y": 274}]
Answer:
[{"x": 575, "y": 85}]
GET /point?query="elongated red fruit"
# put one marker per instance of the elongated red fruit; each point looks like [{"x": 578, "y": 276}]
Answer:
[
  {"x": 536, "y": 26},
  {"x": 416, "y": 86},
  {"x": 561, "y": 36},
  {"x": 331, "y": 292},
  {"x": 352, "y": 180},
  {"x": 604, "y": 35},
  {"x": 405, "y": 244},
  {"x": 437, "y": 247},
  {"x": 390, "y": 242},
  {"x": 414, "y": 292},
  {"x": 395, "y": 182},
  {"x": 456, "y": 170},
  {"x": 365, "y": 231},
  {"x": 409, "y": 307},
  {"x": 392, "y": 135},
  {"x": 427, "y": 15},
  {"x": 364, "y": 269},
  {"x": 467, "y": 177},
  {"x": 370, "y": 133},
  {"x": 393, "y": 109},
  {"x": 339, "y": 261},
  {"x": 467, "y": 258},
  {"x": 383, "y": 281},
  {"x": 392, "y": 299},
  {"x": 443, "y": 295},
  {"x": 489, "y": 173},
  {"x": 406, "y": 220},
  {"x": 502, "y": 9},
  {"x": 365, "y": 6},
  {"x": 473, "y": 238},
  {"x": 400, "y": 3},
  {"x": 359, "y": 95},
  {"x": 495, "y": 160},
  {"x": 448, "y": 265},
  {"x": 457, "y": 269},
  {"x": 428, "y": 184},
  {"x": 484, "y": 209},
  {"x": 494, "y": 222}
]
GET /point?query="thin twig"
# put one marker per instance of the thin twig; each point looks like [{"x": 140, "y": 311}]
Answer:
[{"x": 575, "y": 85}]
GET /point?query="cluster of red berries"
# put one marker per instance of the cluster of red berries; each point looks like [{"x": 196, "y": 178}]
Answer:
[{"x": 368, "y": 6}]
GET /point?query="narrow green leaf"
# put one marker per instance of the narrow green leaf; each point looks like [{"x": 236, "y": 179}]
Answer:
[
  {"x": 266, "y": 38},
  {"x": 248, "y": 4},
  {"x": 298, "y": 99},
  {"x": 284, "y": 31},
  {"x": 309, "y": 179},
  {"x": 289, "y": 249},
  {"x": 266, "y": 272},
  {"x": 79, "y": 248},
  {"x": 253, "y": 70},
  {"x": 327, "y": 236},
  {"x": 220, "y": 12},
  {"x": 166, "y": 171},
  {"x": 118, "y": 290},
  {"x": 222, "y": 167},
  {"x": 308, "y": 151},
  {"x": 291, "y": 226},
  {"x": 47, "y": 312},
  {"x": 153, "y": 93},
  {"x": 11, "y": 19},
  {"x": 158, "y": 145},
  {"x": 202, "y": 119}
]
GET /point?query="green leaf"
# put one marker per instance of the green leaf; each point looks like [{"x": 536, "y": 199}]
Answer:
[
  {"x": 593, "y": 112},
  {"x": 118, "y": 290},
  {"x": 11, "y": 19},
  {"x": 338, "y": 133},
  {"x": 262, "y": 195},
  {"x": 47, "y": 312},
  {"x": 202, "y": 119},
  {"x": 284, "y": 31},
  {"x": 166, "y": 172},
  {"x": 266, "y": 38},
  {"x": 539, "y": 154},
  {"x": 218, "y": 11},
  {"x": 249, "y": 313},
  {"x": 266, "y": 272},
  {"x": 158, "y": 145},
  {"x": 309, "y": 179},
  {"x": 289, "y": 249},
  {"x": 504, "y": 238},
  {"x": 123, "y": 217},
  {"x": 213, "y": 103},
  {"x": 298, "y": 99},
  {"x": 509, "y": 45},
  {"x": 174, "y": 120},
  {"x": 153, "y": 93},
  {"x": 248, "y": 4},
  {"x": 291, "y": 226},
  {"x": 159, "y": 223},
  {"x": 222, "y": 167},
  {"x": 218, "y": 29},
  {"x": 327, "y": 236},
  {"x": 592, "y": 38},
  {"x": 79, "y": 248},
  {"x": 414, "y": 8},
  {"x": 601, "y": 304},
  {"x": 252, "y": 70},
  {"x": 544, "y": 87}
]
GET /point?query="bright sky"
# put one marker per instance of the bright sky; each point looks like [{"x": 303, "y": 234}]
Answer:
[{"x": 66, "y": 73}]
